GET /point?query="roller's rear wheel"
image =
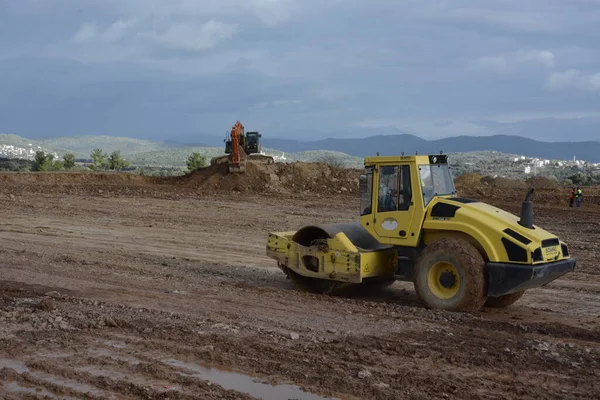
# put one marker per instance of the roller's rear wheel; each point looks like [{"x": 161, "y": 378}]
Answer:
[
  {"x": 504, "y": 301},
  {"x": 450, "y": 275}
]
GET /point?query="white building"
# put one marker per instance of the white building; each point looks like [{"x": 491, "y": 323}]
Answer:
[{"x": 10, "y": 151}]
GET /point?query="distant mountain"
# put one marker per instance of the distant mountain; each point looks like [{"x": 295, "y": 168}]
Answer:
[
  {"x": 14, "y": 140},
  {"x": 384, "y": 144},
  {"x": 550, "y": 129},
  {"x": 409, "y": 144},
  {"x": 178, "y": 145}
]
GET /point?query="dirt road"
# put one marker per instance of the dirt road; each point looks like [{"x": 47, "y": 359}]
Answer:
[{"x": 155, "y": 292}]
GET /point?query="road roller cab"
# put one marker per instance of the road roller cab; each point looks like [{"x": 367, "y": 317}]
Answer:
[{"x": 461, "y": 254}]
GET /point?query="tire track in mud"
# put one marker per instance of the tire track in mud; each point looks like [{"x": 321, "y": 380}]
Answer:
[
  {"x": 418, "y": 353},
  {"x": 426, "y": 355},
  {"x": 175, "y": 315},
  {"x": 108, "y": 361}
]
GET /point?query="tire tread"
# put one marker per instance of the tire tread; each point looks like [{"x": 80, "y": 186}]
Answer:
[{"x": 475, "y": 296}]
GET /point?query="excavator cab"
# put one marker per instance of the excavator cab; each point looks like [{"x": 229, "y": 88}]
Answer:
[
  {"x": 227, "y": 141},
  {"x": 253, "y": 144}
]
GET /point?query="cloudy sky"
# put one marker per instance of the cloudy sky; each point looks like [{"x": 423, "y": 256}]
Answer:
[{"x": 179, "y": 69}]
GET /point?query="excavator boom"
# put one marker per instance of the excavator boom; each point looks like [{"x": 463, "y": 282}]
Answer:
[{"x": 238, "y": 154}]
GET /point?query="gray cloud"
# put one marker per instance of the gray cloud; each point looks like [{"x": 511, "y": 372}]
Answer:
[
  {"x": 574, "y": 79},
  {"x": 157, "y": 69}
]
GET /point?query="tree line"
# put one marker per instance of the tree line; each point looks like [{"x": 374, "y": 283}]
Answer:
[
  {"x": 46, "y": 162},
  {"x": 101, "y": 161}
]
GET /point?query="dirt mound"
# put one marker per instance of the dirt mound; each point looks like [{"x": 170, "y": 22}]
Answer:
[
  {"x": 62, "y": 178},
  {"x": 468, "y": 180},
  {"x": 488, "y": 187},
  {"x": 503, "y": 183},
  {"x": 274, "y": 178},
  {"x": 541, "y": 182},
  {"x": 293, "y": 179},
  {"x": 547, "y": 191},
  {"x": 474, "y": 181},
  {"x": 280, "y": 178}
]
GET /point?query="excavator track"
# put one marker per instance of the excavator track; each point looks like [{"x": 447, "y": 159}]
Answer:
[
  {"x": 252, "y": 158},
  {"x": 260, "y": 159},
  {"x": 219, "y": 160}
]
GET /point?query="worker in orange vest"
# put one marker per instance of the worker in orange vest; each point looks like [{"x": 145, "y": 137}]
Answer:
[{"x": 571, "y": 197}]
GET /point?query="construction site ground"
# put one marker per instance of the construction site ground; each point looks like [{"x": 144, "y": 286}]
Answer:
[{"x": 123, "y": 287}]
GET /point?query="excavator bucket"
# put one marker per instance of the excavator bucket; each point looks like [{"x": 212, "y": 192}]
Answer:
[
  {"x": 239, "y": 165},
  {"x": 237, "y": 168}
]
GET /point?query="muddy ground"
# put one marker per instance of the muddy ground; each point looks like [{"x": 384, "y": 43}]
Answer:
[{"x": 156, "y": 291}]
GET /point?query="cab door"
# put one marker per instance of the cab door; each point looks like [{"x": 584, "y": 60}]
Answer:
[{"x": 394, "y": 206}]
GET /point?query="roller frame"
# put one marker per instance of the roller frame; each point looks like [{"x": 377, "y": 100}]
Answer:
[{"x": 346, "y": 253}]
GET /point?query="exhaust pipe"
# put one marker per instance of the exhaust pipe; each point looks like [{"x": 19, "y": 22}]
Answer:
[{"x": 527, "y": 211}]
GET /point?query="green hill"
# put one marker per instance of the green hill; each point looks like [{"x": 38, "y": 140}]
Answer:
[
  {"x": 82, "y": 145},
  {"x": 14, "y": 140},
  {"x": 171, "y": 157}
]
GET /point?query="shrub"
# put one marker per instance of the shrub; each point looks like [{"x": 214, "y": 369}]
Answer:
[
  {"x": 69, "y": 160},
  {"x": 45, "y": 162},
  {"x": 116, "y": 162},
  {"x": 98, "y": 159},
  {"x": 195, "y": 161},
  {"x": 335, "y": 163}
]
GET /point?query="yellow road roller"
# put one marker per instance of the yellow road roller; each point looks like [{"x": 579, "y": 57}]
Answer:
[{"x": 460, "y": 254}]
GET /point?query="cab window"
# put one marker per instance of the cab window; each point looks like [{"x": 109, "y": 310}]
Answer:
[
  {"x": 366, "y": 191},
  {"x": 395, "y": 192},
  {"x": 388, "y": 189}
]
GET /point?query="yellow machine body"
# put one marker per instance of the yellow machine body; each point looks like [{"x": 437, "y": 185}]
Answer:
[
  {"x": 408, "y": 204},
  {"x": 336, "y": 258}
]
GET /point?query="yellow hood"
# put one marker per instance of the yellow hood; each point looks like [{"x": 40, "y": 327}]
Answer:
[{"x": 497, "y": 231}]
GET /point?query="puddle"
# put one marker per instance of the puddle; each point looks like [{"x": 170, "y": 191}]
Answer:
[
  {"x": 116, "y": 344},
  {"x": 58, "y": 355},
  {"x": 18, "y": 366},
  {"x": 123, "y": 339},
  {"x": 137, "y": 380},
  {"x": 109, "y": 353},
  {"x": 21, "y": 368},
  {"x": 245, "y": 384},
  {"x": 15, "y": 387}
]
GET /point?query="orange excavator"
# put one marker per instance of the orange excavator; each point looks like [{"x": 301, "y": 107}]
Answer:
[
  {"x": 241, "y": 147},
  {"x": 238, "y": 153}
]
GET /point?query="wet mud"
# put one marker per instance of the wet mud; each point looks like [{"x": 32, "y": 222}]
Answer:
[{"x": 142, "y": 296}]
